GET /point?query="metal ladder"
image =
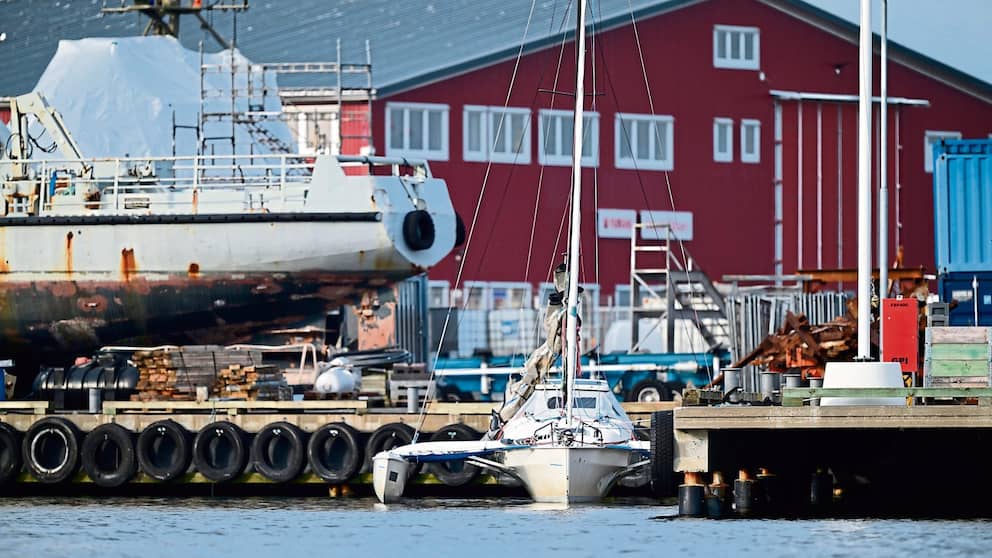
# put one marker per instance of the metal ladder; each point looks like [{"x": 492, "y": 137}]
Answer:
[{"x": 656, "y": 271}]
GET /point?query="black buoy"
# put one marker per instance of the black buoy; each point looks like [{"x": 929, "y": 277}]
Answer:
[
  {"x": 744, "y": 494},
  {"x": 692, "y": 497},
  {"x": 770, "y": 495},
  {"x": 821, "y": 490},
  {"x": 717, "y": 500}
]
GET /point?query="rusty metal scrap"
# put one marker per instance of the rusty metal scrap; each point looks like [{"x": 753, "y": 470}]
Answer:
[{"x": 798, "y": 345}]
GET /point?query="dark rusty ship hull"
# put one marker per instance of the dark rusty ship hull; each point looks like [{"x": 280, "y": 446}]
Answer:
[{"x": 50, "y": 322}]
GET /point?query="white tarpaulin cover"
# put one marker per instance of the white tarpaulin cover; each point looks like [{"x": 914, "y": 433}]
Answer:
[{"x": 117, "y": 97}]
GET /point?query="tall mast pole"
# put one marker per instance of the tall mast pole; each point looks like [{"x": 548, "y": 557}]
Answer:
[
  {"x": 572, "y": 315},
  {"x": 864, "y": 185},
  {"x": 883, "y": 175}
]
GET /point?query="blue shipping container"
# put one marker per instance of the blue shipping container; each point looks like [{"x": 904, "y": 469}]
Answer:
[
  {"x": 962, "y": 196},
  {"x": 972, "y": 291}
]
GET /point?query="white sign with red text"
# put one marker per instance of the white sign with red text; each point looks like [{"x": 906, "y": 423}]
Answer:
[
  {"x": 616, "y": 223},
  {"x": 655, "y": 223}
]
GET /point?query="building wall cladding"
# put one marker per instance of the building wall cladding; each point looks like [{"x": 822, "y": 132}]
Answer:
[{"x": 732, "y": 203}]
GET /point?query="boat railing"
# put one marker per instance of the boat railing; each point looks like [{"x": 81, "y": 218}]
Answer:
[{"x": 184, "y": 184}]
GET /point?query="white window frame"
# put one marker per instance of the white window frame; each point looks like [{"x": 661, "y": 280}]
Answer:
[
  {"x": 467, "y": 153},
  {"x": 726, "y": 156},
  {"x": 622, "y": 132},
  {"x": 440, "y": 154},
  {"x": 521, "y": 158},
  {"x": 590, "y": 135},
  {"x": 727, "y": 61},
  {"x": 754, "y": 124},
  {"x": 489, "y": 122},
  {"x": 931, "y": 137}
]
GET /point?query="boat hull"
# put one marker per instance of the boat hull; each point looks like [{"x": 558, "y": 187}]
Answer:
[
  {"x": 389, "y": 475},
  {"x": 567, "y": 475}
]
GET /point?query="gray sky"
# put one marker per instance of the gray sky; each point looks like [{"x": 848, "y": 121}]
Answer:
[{"x": 955, "y": 32}]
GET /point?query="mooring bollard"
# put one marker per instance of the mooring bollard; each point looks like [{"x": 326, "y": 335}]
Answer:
[
  {"x": 744, "y": 494},
  {"x": 692, "y": 496},
  {"x": 732, "y": 384},
  {"x": 815, "y": 383},
  {"x": 412, "y": 399}
]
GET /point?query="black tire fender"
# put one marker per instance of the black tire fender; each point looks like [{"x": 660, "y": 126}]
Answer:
[
  {"x": 334, "y": 453},
  {"x": 220, "y": 451},
  {"x": 663, "y": 453},
  {"x": 10, "y": 453},
  {"x": 418, "y": 229},
  {"x": 50, "y": 450},
  {"x": 387, "y": 437},
  {"x": 164, "y": 450},
  {"x": 278, "y": 451},
  {"x": 459, "y": 230},
  {"x": 108, "y": 455},
  {"x": 455, "y": 473}
]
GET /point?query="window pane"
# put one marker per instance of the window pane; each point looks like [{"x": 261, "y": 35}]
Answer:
[
  {"x": 415, "y": 135},
  {"x": 660, "y": 141},
  {"x": 548, "y": 133},
  {"x": 735, "y": 45},
  {"x": 500, "y": 122},
  {"x": 475, "y": 131},
  {"x": 748, "y": 46},
  {"x": 435, "y": 130},
  {"x": 626, "y": 131},
  {"x": 588, "y": 136},
  {"x": 721, "y": 138},
  {"x": 749, "y": 139},
  {"x": 567, "y": 130},
  {"x": 721, "y": 44},
  {"x": 396, "y": 128},
  {"x": 643, "y": 140},
  {"x": 519, "y": 126}
]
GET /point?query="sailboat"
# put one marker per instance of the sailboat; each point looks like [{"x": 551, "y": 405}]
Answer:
[{"x": 566, "y": 440}]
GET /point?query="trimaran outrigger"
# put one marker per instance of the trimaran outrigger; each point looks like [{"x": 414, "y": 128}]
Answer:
[{"x": 568, "y": 440}]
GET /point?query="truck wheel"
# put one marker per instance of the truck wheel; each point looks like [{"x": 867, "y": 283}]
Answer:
[{"x": 650, "y": 391}]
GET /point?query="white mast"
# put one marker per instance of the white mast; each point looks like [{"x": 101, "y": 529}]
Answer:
[
  {"x": 572, "y": 314},
  {"x": 883, "y": 177},
  {"x": 864, "y": 186}
]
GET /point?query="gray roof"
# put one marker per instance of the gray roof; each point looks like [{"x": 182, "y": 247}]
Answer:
[
  {"x": 412, "y": 41},
  {"x": 408, "y": 37}
]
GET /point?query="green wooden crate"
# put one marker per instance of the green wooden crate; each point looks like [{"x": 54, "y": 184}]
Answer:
[{"x": 957, "y": 356}]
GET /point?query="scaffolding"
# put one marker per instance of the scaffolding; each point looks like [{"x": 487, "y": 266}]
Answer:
[{"x": 251, "y": 92}]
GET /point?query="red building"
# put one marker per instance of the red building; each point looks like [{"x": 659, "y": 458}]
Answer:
[{"x": 717, "y": 71}]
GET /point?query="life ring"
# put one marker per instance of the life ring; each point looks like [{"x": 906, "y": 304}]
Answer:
[
  {"x": 164, "y": 450},
  {"x": 457, "y": 472},
  {"x": 10, "y": 453},
  {"x": 51, "y": 450},
  {"x": 108, "y": 455},
  {"x": 278, "y": 451},
  {"x": 334, "y": 453},
  {"x": 220, "y": 452},
  {"x": 418, "y": 229},
  {"x": 387, "y": 437}
]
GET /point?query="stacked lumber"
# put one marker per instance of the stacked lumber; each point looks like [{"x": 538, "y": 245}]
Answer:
[
  {"x": 799, "y": 345},
  {"x": 174, "y": 373},
  {"x": 252, "y": 383}
]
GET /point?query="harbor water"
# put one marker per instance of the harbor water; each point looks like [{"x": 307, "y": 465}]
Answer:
[{"x": 272, "y": 528}]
